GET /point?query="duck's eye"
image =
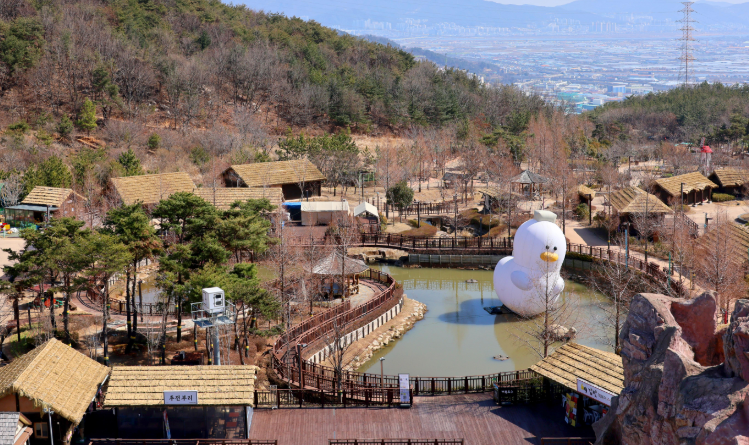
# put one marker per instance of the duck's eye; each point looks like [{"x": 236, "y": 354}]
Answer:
[
  {"x": 555, "y": 248},
  {"x": 547, "y": 247}
]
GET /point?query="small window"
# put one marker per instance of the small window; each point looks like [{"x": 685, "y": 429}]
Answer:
[{"x": 41, "y": 430}]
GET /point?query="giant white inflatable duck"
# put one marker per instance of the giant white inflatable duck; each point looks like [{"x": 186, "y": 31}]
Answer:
[{"x": 528, "y": 279}]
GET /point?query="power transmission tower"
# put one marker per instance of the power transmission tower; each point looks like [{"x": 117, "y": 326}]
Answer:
[{"x": 686, "y": 41}]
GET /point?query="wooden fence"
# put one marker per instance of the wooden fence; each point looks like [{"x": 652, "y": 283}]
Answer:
[
  {"x": 314, "y": 398},
  {"x": 396, "y": 442},
  {"x": 182, "y": 442}
]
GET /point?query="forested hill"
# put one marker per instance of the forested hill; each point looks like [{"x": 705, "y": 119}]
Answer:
[
  {"x": 190, "y": 62},
  {"x": 717, "y": 112}
]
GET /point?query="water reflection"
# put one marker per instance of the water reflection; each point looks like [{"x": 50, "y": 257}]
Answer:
[{"x": 457, "y": 336}]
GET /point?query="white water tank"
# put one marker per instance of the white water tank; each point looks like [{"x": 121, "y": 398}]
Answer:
[{"x": 213, "y": 300}]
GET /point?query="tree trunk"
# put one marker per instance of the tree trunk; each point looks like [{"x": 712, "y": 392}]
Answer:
[
  {"x": 135, "y": 307},
  {"x": 65, "y": 315},
  {"x": 105, "y": 316},
  {"x": 129, "y": 346},
  {"x": 17, "y": 315}
]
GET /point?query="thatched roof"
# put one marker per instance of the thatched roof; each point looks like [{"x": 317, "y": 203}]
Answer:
[
  {"x": 150, "y": 189},
  {"x": 57, "y": 376},
  {"x": 224, "y": 197},
  {"x": 528, "y": 177},
  {"x": 635, "y": 200},
  {"x": 572, "y": 360},
  {"x": 50, "y": 196},
  {"x": 730, "y": 177},
  {"x": 739, "y": 234},
  {"x": 262, "y": 174},
  {"x": 331, "y": 265},
  {"x": 585, "y": 191},
  {"x": 216, "y": 385},
  {"x": 692, "y": 181}
]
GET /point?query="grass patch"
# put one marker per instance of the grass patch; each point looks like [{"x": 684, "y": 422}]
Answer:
[
  {"x": 723, "y": 197},
  {"x": 426, "y": 230}
]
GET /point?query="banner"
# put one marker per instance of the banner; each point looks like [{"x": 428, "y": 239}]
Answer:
[
  {"x": 595, "y": 392},
  {"x": 166, "y": 426}
]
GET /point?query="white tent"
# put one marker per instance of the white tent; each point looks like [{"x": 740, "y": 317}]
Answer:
[
  {"x": 323, "y": 213},
  {"x": 366, "y": 207}
]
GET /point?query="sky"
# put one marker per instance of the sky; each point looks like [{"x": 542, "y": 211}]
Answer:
[{"x": 562, "y": 2}]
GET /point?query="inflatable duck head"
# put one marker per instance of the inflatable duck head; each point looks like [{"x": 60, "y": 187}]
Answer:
[{"x": 540, "y": 241}]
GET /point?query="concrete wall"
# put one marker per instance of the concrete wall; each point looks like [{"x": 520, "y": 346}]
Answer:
[{"x": 358, "y": 334}]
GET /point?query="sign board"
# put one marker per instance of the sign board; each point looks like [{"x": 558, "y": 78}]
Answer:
[
  {"x": 404, "y": 383},
  {"x": 180, "y": 397},
  {"x": 594, "y": 392}
]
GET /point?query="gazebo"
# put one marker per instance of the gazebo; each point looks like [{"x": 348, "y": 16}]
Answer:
[
  {"x": 529, "y": 182},
  {"x": 332, "y": 266}
]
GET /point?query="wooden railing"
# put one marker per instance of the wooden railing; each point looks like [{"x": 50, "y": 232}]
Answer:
[
  {"x": 182, "y": 442},
  {"x": 567, "y": 440},
  {"x": 313, "y": 398},
  {"x": 420, "y": 208},
  {"x": 395, "y": 442}
]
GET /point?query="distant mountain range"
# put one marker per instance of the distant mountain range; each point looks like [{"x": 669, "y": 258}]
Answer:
[{"x": 487, "y": 13}]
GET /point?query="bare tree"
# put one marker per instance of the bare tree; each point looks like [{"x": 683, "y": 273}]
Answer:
[
  {"x": 338, "y": 340},
  {"x": 619, "y": 283},
  {"x": 11, "y": 191}
]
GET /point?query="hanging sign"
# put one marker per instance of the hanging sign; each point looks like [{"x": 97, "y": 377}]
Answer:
[
  {"x": 405, "y": 388},
  {"x": 166, "y": 426},
  {"x": 594, "y": 392},
  {"x": 180, "y": 397}
]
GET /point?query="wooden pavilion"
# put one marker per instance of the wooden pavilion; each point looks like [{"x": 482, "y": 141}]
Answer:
[
  {"x": 52, "y": 385},
  {"x": 191, "y": 402},
  {"x": 731, "y": 180},
  {"x": 696, "y": 188},
  {"x": 528, "y": 183},
  {"x": 331, "y": 268},
  {"x": 634, "y": 200},
  {"x": 591, "y": 375}
]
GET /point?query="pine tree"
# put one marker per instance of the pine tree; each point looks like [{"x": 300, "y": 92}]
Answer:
[{"x": 87, "y": 119}]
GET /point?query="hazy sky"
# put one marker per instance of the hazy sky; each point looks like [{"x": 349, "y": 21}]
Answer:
[{"x": 562, "y": 2}]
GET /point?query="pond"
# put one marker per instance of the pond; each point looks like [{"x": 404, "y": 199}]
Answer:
[{"x": 458, "y": 337}]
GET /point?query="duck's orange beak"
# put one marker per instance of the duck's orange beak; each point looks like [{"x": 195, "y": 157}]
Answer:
[{"x": 549, "y": 257}]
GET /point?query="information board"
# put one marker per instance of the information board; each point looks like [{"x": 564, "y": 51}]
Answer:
[{"x": 404, "y": 382}]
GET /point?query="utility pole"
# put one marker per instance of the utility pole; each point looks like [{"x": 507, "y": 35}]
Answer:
[{"x": 686, "y": 40}]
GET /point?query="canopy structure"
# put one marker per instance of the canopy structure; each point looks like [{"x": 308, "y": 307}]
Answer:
[
  {"x": 366, "y": 208},
  {"x": 57, "y": 376},
  {"x": 332, "y": 265},
  {"x": 572, "y": 361}
]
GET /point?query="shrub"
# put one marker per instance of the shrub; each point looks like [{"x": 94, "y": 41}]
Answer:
[
  {"x": 65, "y": 127},
  {"x": 154, "y": 142},
  {"x": 723, "y": 197},
  {"x": 20, "y": 127},
  {"x": 426, "y": 230},
  {"x": 582, "y": 211},
  {"x": 578, "y": 256}
]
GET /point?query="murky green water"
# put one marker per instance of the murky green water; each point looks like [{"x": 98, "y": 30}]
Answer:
[{"x": 458, "y": 337}]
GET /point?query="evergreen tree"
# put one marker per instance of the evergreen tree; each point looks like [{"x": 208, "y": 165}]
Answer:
[
  {"x": 130, "y": 163},
  {"x": 87, "y": 119},
  {"x": 50, "y": 173}
]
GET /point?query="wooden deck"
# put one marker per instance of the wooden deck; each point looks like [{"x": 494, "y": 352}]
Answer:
[{"x": 473, "y": 417}]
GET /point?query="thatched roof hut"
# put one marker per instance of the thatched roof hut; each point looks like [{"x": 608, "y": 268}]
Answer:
[
  {"x": 331, "y": 265},
  {"x": 586, "y": 192},
  {"x": 223, "y": 197},
  {"x": 216, "y": 385},
  {"x": 51, "y": 196},
  {"x": 57, "y": 376},
  {"x": 528, "y": 177},
  {"x": 572, "y": 361},
  {"x": 730, "y": 179},
  {"x": 635, "y": 200},
  {"x": 150, "y": 189},
  {"x": 695, "y": 185},
  {"x": 287, "y": 175}
]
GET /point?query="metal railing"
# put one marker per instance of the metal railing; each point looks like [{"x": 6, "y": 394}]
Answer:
[
  {"x": 396, "y": 442},
  {"x": 313, "y": 398},
  {"x": 567, "y": 440},
  {"x": 182, "y": 442}
]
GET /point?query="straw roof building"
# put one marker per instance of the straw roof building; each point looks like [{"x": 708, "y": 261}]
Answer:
[
  {"x": 54, "y": 376},
  {"x": 287, "y": 175},
  {"x": 730, "y": 180},
  {"x": 636, "y": 200},
  {"x": 224, "y": 197},
  {"x": 150, "y": 189},
  {"x": 132, "y": 386},
  {"x": 696, "y": 187},
  {"x": 586, "y": 192},
  {"x": 57, "y": 202},
  {"x": 332, "y": 265},
  {"x": 51, "y": 196},
  {"x": 572, "y": 361}
]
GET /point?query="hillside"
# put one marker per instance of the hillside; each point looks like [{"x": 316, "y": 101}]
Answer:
[{"x": 681, "y": 114}]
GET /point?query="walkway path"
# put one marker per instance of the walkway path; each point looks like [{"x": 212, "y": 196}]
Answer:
[{"x": 473, "y": 417}]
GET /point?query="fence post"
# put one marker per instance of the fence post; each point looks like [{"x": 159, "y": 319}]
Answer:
[{"x": 449, "y": 386}]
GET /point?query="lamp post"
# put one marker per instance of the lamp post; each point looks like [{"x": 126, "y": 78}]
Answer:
[
  {"x": 382, "y": 373},
  {"x": 418, "y": 214},
  {"x": 51, "y": 436},
  {"x": 455, "y": 221},
  {"x": 626, "y": 243},
  {"x": 590, "y": 209}
]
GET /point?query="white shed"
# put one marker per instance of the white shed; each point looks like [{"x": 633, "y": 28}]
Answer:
[
  {"x": 365, "y": 209},
  {"x": 323, "y": 213}
]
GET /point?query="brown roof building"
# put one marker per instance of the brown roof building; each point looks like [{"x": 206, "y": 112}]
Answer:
[
  {"x": 52, "y": 376},
  {"x": 44, "y": 201},
  {"x": 696, "y": 188},
  {"x": 289, "y": 176},
  {"x": 730, "y": 180},
  {"x": 150, "y": 189}
]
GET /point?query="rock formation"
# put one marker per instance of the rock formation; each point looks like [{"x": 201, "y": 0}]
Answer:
[{"x": 686, "y": 379}]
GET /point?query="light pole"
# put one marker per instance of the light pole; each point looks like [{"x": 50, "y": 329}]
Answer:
[
  {"x": 626, "y": 243},
  {"x": 455, "y": 221},
  {"x": 382, "y": 373},
  {"x": 51, "y": 436},
  {"x": 590, "y": 209}
]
